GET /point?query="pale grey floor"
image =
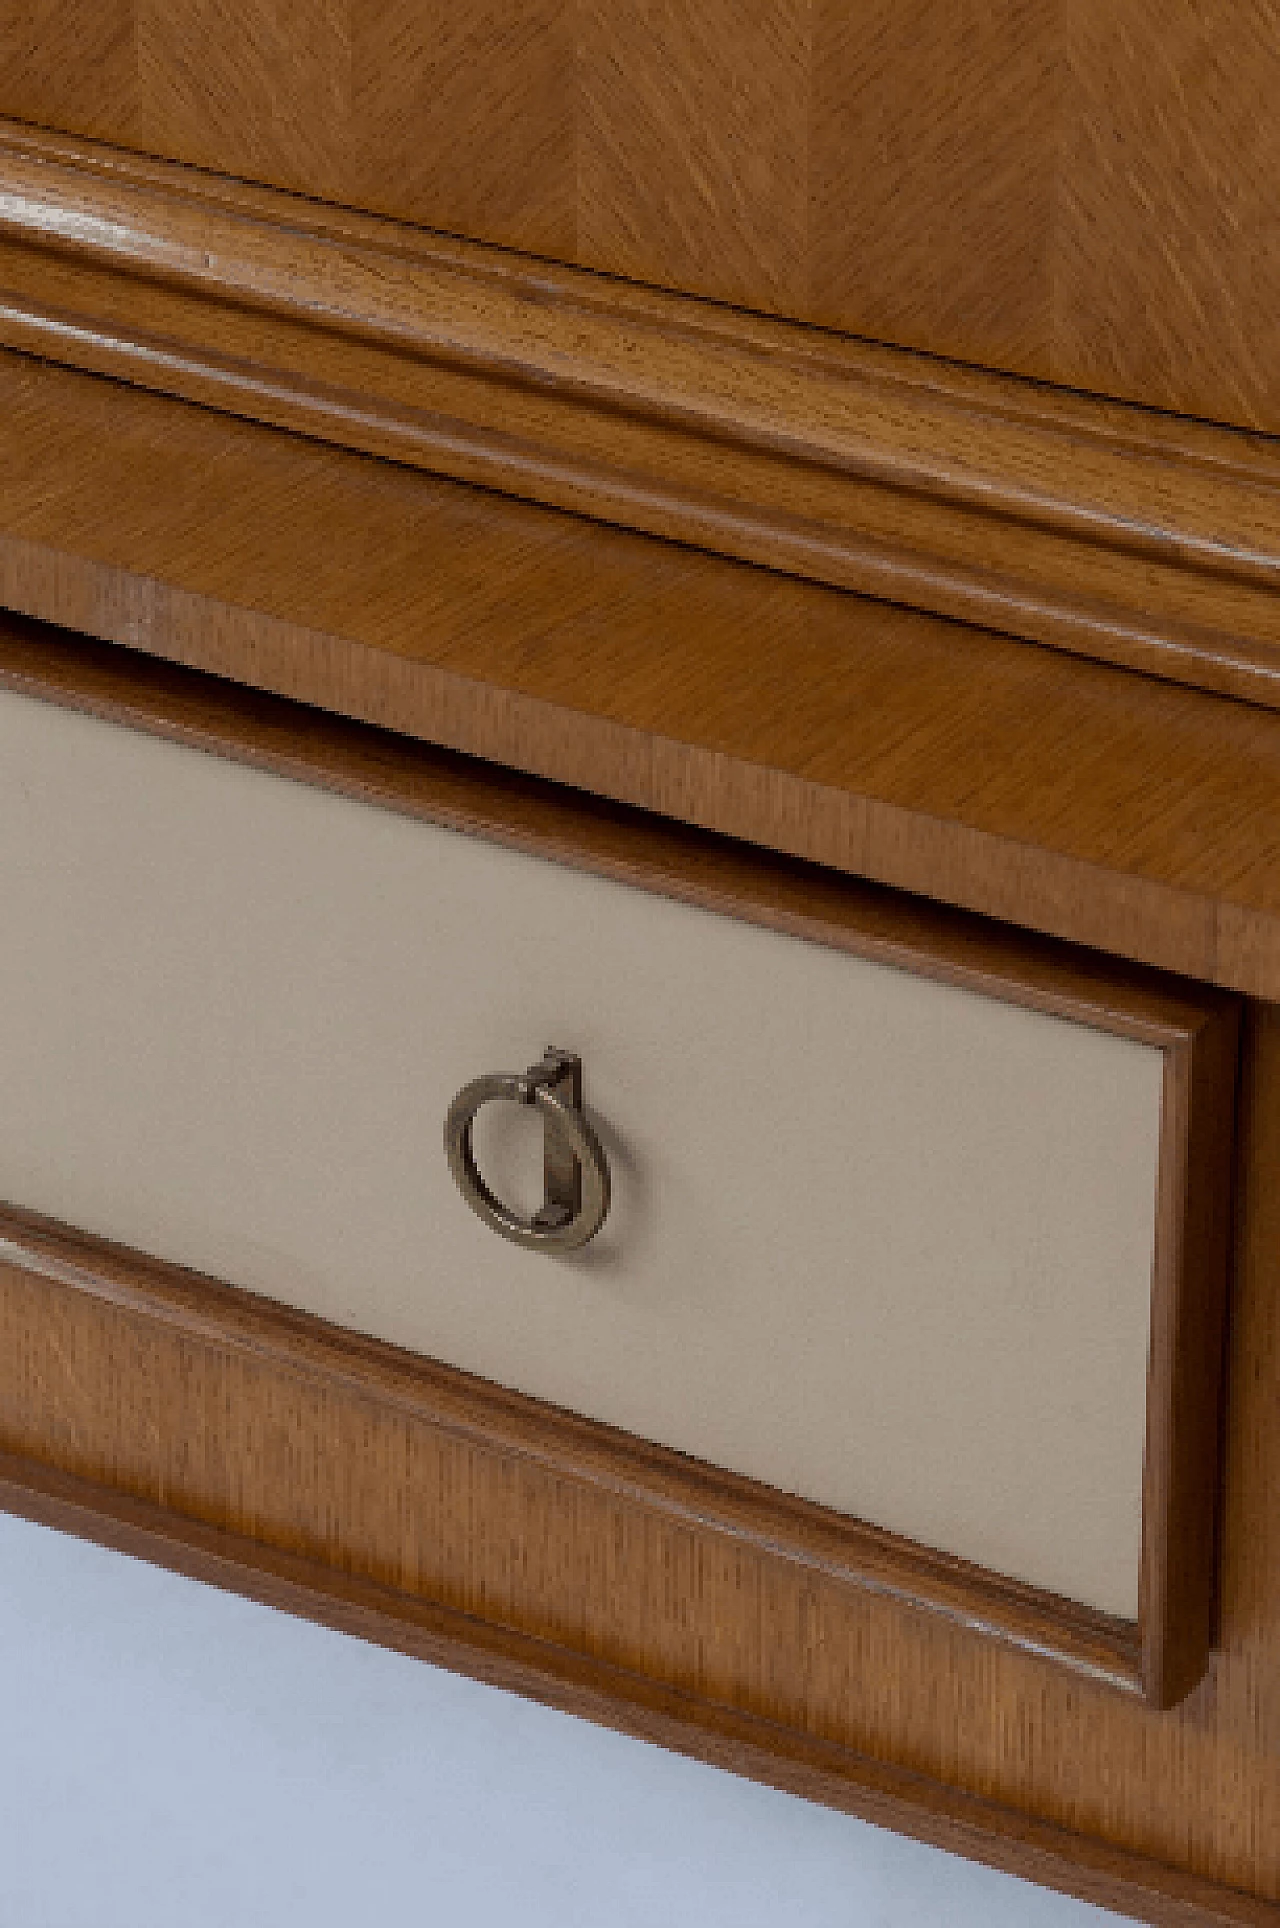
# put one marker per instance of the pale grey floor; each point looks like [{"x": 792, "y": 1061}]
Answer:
[{"x": 173, "y": 1757}]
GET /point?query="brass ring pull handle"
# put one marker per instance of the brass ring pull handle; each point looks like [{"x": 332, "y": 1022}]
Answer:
[{"x": 576, "y": 1171}]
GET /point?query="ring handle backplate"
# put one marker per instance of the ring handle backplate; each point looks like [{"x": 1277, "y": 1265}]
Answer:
[{"x": 576, "y": 1171}]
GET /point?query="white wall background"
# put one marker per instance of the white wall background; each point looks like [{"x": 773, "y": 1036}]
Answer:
[{"x": 174, "y": 1757}]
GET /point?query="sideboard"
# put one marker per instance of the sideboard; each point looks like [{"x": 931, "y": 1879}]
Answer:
[{"x": 708, "y": 576}]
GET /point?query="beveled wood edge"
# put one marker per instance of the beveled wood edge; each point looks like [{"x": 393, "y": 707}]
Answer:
[
  {"x": 633, "y": 1471},
  {"x": 1190, "y": 1282},
  {"x": 1098, "y": 527},
  {"x": 611, "y": 838},
  {"x": 1207, "y": 932},
  {"x": 598, "y": 1690},
  {"x": 1197, "y": 1029}
]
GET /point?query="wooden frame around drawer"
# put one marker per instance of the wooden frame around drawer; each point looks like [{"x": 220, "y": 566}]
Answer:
[
  {"x": 254, "y": 1448},
  {"x": 1164, "y": 1654}
]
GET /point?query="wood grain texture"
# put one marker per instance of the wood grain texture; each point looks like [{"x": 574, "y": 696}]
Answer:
[
  {"x": 693, "y": 145},
  {"x": 1167, "y": 219},
  {"x": 1197, "y": 1031},
  {"x": 260, "y": 91},
  {"x": 1102, "y": 530},
  {"x": 332, "y": 1475},
  {"x": 71, "y": 66},
  {"x": 1056, "y": 794},
  {"x": 933, "y": 174},
  {"x": 471, "y": 108},
  {"x": 1083, "y": 191}
]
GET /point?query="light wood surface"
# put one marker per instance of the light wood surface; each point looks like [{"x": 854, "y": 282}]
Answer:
[
  {"x": 1084, "y": 193},
  {"x": 1057, "y": 794},
  {"x": 1105, "y": 530},
  {"x": 64, "y": 1158}
]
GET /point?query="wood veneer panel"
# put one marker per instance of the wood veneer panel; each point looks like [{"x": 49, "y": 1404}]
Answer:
[
  {"x": 693, "y": 145},
  {"x": 1057, "y": 794},
  {"x": 933, "y": 174},
  {"x": 472, "y": 110},
  {"x": 262, "y": 90},
  {"x": 1082, "y": 190},
  {"x": 1166, "y": 251},
  {"x": 72, "y": 65}
]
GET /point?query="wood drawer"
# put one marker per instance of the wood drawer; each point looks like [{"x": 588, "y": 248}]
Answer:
[{"x": 918, "y": 1229}]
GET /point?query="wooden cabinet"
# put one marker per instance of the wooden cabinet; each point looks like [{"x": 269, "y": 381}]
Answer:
[{"x": 786, "y": 497}]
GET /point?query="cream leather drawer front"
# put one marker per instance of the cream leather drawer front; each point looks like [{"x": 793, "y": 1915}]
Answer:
[{"x": 875, "y": 1240}]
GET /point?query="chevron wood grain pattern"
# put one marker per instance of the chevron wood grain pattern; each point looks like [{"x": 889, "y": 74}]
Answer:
[
  {"x": 258, "y": 90},
  {"x": 1083, "y": 191},
  {"x": 72, "y": 66},
  {"x": 1167, "y": 219},
  {"x": 693, "y": 145},
  {"x": 1057, "y": 794},
  {"x": 1107, "y": 530},
  {"x": 470, "y": 109},
  {"x": 934, "y": 174}
]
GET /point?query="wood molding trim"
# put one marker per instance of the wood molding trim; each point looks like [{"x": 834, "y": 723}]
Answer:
[
  {"x": 109, "y": 1350},
  {"x": 1164, "y": 1655},
  {"x": 1141, "y": 539}
]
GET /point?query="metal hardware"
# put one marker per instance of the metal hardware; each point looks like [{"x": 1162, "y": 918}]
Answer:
[{"x": 576, "y": 1171}]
